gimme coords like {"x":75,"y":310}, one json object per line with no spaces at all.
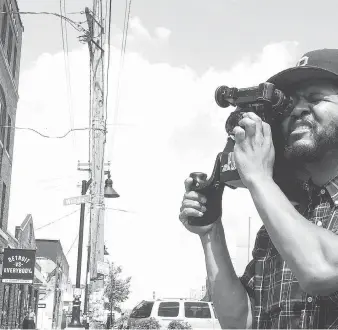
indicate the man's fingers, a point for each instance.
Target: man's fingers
{"x":189,"y":212}
{"x":266,"y":130}
{"x":252,"y":116}
{"x":193,"y":204}
{"x":249,"y":126}
{"x":195,"y":196}
{"x":188,"y":203}
{"x":258,"y":122}
{"x":239,"y":134}
{"x":188,"y":183}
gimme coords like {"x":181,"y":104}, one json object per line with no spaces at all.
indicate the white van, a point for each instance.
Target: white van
{"x":199,"y":314}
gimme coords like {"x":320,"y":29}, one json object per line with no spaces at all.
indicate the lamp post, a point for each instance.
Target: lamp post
{"x":109,"y":192}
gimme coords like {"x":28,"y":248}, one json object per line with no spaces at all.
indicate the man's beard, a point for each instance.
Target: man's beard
{"x":321,"y":142}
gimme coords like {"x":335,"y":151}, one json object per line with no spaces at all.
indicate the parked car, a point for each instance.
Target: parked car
{"x":199,"y":314}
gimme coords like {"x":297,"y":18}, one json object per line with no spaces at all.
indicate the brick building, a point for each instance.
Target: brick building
{"x":16,"y":298}
{"x":11,"y":29}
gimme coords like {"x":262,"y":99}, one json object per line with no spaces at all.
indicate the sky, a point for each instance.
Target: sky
{"x":165,"y":125}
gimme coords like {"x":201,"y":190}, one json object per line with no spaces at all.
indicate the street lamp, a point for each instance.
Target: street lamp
{"x":109,"y":192}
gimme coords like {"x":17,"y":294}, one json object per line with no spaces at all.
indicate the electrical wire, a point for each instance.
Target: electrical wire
{"x":75,"y":25}
{"x":108,"y":61}
{"x":121,"y":210}
{"x":53,"y":137}
{"x":59,"y":219}
{"x":105,"y":17}
{"x":64,"y":35}
{"x":64,"y":135}
{"x":72,"y":244}
{"x":121,"y":65}
{"x":50,"y":274}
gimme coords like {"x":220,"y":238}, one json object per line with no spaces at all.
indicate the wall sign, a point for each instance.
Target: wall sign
{"x":18,"y":266}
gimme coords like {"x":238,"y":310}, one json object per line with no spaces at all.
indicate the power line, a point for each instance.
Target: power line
{"x":72,"y":244}
{"x":108,"y":61}
{"x":41,"y":12}
{"x":121,"y":65}
{"x":121,"y":210}
{"x":53,"y":137}
{"x":52,"y":272}
{"x":54,"y":221}
{"x":75,"y":25}
{"x":64,"y":36}
{"x":64,"y":135}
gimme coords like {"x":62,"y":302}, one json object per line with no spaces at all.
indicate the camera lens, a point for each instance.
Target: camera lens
{"x":219,"y":96}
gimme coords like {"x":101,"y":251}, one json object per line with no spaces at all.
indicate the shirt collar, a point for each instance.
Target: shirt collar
{"x":332,"y":188}
{"x":304,"y":189}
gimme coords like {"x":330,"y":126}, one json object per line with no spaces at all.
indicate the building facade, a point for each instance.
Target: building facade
{"x":55,"y":268}
{"x":11,"y":29}
{"x":15,"y":299}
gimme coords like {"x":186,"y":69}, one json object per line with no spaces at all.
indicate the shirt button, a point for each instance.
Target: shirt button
{"x":319,"y":223}
{"x":309,"y":299}
{"x":322,"y":192}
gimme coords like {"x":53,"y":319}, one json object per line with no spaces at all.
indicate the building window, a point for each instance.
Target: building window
{"x":169,"y":309}
{"x":142,"y":310}
{"x":10,"y":46}
{"x":3,"y":203}
{"x":9,"y":130}
{"x":4,"y":25}
{"x":14,"y":61}
{"x":197,"y":310}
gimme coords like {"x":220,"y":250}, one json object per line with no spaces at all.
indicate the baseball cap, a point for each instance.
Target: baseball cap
{"x":316,"y":64}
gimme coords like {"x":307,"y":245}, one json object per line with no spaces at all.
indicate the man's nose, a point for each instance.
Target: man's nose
{"x":300,"y":107}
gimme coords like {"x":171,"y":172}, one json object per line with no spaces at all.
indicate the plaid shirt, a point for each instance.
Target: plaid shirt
{"x":277,"y":300}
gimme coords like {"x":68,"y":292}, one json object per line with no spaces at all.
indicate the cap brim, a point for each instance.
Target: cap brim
{"x":289,"y":77}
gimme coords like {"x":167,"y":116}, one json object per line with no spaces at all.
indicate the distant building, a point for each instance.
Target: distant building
{"x":55,"y":267}
{"x":198,"y":293}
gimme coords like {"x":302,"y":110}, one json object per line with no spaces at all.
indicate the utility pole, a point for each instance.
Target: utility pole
{"x":98,"y":133}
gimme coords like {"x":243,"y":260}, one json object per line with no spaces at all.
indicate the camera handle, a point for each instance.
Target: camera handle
{"x":212,"y":189}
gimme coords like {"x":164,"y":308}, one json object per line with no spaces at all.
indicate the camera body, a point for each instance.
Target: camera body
{"x":265,"y":100}
{"x":271,"y":105}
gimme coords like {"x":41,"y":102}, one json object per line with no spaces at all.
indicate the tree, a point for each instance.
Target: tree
{"x":150,"y":323}
{"x":179,"y":325}
{"x":116,"y":289}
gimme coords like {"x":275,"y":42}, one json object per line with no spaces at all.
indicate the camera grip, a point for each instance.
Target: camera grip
{"x":213,"y":191}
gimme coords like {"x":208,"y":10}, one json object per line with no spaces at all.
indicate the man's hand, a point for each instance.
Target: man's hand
{"x":193,"y":205}
{"x":254,"y":151}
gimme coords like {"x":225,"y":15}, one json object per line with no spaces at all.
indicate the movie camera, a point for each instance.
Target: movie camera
{"x":269,"y":103}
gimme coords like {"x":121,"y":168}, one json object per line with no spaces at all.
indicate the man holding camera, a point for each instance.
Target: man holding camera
{"x":292,"y":280}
